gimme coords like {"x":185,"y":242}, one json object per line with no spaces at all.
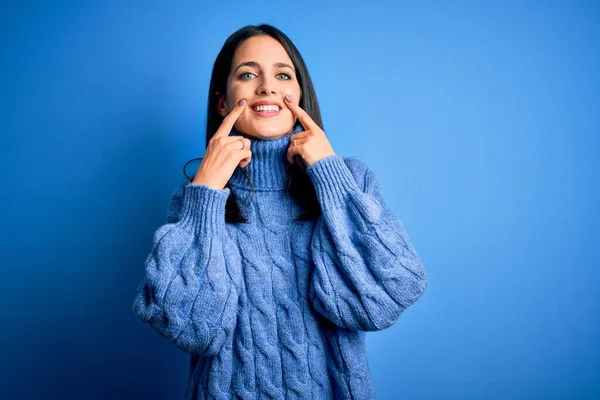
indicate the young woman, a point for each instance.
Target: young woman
{"x":279,"y":254}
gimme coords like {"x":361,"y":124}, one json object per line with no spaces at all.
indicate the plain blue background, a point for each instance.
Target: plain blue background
{"x":481,"y":120}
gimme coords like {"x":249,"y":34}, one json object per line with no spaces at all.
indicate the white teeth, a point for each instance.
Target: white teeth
{"x":270,"y":108}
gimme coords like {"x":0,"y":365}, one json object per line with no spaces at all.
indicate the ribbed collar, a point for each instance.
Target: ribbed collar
{"x":269,"y":166}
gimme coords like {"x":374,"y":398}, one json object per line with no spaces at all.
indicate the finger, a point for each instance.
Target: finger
{"x":244,"y":156}
{"x":241,"y":148}
{"x":245,"y":161}
{"x":302,"y":115}
{"x":292,"y":151}
{"x":298,"y":136}
{"x":295,"y":140}
{"x":236,"y":142}
{"x":229,"y":120}
{"x":232,"y":142}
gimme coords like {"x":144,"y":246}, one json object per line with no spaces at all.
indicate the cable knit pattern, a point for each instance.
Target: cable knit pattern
{"x":367,"y":271}
{"x":278,"y":308}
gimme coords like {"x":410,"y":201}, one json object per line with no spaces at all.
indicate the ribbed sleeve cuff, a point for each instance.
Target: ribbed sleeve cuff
{"x":203,"y":208}
{"x":332,"y":180}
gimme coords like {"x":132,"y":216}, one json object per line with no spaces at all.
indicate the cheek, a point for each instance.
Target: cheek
{"x":237,"y":92}
{"x":233,"y":96}
{"x":294,"y":92}
{"x":296,"y":95}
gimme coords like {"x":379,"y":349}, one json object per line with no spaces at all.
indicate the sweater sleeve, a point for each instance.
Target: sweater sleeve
{"x":366,"y":269}
{"x":188,"y":293}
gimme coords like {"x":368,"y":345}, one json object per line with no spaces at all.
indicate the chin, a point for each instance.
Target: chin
{"x":266,"y":131}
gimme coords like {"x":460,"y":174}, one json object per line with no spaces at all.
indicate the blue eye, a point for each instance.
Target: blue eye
{"x":245,"y":73}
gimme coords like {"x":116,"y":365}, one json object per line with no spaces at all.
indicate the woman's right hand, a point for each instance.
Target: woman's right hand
{"x":224,"y":153}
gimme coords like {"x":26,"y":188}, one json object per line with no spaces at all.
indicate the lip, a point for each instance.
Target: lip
{"x":265,"y":114}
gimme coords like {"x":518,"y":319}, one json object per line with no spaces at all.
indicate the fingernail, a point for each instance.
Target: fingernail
{"x":288,"y":99}
{"x":241,"y":102}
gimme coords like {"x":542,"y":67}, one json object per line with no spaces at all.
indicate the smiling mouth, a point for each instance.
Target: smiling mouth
{"x":266,"y":111}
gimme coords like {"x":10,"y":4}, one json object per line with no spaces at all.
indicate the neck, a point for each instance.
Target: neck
{"x":268,"y":167}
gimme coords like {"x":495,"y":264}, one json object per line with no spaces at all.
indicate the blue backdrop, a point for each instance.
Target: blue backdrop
{"x":481,"y":120}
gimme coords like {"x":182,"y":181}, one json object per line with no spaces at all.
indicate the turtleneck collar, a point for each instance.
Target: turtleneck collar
{"x":269,"y":166}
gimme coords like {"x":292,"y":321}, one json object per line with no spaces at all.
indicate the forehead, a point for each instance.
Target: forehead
{"x":263,"y":49}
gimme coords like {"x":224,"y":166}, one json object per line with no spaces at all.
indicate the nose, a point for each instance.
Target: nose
{"x":267,"y":86}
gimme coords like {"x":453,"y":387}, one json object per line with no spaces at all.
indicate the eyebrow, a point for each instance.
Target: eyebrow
{"x":255,"y":65}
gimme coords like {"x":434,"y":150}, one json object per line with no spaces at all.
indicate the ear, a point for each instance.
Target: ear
{"x":222,"y":105}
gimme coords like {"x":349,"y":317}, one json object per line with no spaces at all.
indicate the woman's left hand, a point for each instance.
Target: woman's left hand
{"x":312,"y":143}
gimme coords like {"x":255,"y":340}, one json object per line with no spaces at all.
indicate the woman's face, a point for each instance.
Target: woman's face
{"x":261,"y":71}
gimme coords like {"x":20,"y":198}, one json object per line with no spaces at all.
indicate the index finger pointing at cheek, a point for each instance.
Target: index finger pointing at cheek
{"x":229,"y":120}
{"x":302,"y":115}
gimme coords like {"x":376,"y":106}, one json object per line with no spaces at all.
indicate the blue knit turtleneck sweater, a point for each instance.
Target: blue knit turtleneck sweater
{"x":278,"y":308}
